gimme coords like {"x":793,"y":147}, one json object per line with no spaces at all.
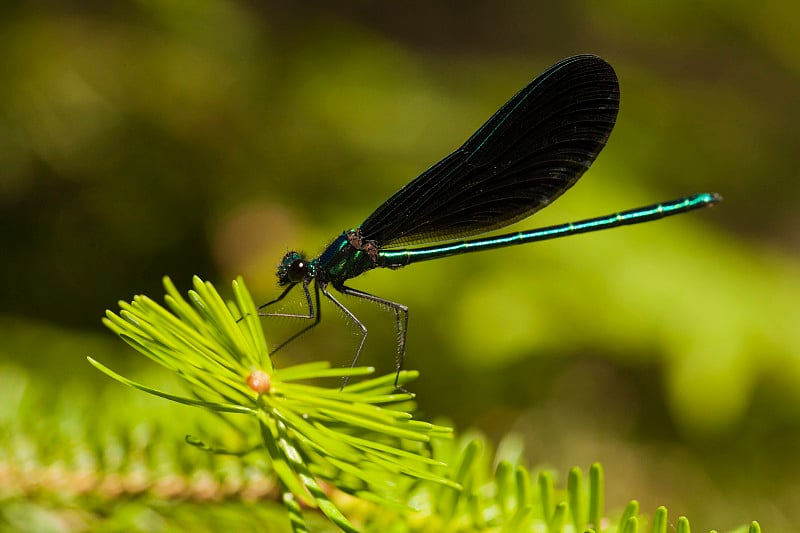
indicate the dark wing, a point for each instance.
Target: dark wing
{"x":528,"y":153}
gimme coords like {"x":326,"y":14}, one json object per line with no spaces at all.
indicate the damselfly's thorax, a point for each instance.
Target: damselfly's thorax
{"x":349,"y":255}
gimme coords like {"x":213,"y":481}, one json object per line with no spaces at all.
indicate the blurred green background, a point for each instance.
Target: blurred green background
{"x":150,"y":138}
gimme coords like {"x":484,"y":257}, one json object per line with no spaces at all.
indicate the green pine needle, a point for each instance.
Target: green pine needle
{"x":575,"y":491}
{"x":596,"y":502}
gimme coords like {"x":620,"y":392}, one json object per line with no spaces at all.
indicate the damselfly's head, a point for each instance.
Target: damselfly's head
{"x":292,"y":269}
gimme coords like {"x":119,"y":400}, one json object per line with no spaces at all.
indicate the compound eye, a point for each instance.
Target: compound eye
{"x":297,"y":271}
